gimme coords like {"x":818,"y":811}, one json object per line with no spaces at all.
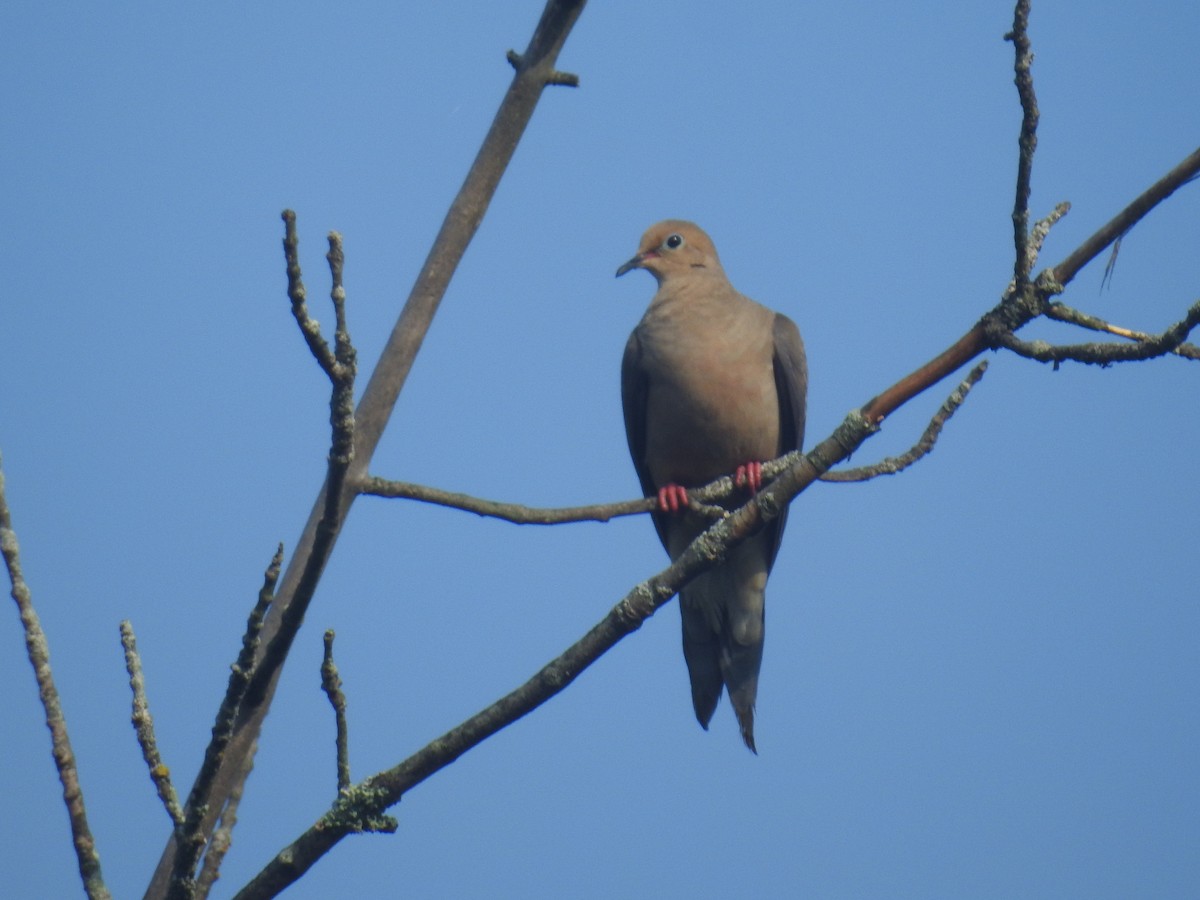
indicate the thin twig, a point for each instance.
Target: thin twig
{"x":924,"y":446}
{"x":219,"y":844}
{"x":189,"y":834}
{"x":1063,"y":313}
{"x":38,"y":650}
{"x":1187,"y":170}
{"x":331,"y":684}
{"x":309,"y":327}
{"x":516,"y":513}
{"x":1105,"y":354}
{"x":1027,"y":142}
{"x":143,"y":726}
{"x":342,"y":449}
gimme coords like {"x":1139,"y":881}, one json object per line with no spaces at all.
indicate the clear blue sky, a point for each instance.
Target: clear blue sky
{"x":981,"y":676}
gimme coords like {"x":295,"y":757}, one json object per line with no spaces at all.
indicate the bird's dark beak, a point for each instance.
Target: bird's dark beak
{"x":636,"y":263}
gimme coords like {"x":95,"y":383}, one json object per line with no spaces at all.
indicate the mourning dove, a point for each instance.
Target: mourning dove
{"x":712,"y":384}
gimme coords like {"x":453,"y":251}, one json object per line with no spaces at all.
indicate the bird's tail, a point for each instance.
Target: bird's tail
{"x":722,"y":614}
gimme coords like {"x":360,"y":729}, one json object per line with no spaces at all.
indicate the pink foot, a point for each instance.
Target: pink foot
{"x":749,"y":476}
{"x":672,"y":497}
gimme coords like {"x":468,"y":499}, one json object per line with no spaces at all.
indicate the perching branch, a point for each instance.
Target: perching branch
{"x":717,"y":490}
{"x":38,"y":651}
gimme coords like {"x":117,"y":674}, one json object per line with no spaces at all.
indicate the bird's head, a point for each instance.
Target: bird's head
{"x":673,"y":248}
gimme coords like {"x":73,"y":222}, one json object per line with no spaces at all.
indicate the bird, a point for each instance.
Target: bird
{"x":712,"y":384}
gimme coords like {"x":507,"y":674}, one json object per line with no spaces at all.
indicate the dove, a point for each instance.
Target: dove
{"x":712,"y":384}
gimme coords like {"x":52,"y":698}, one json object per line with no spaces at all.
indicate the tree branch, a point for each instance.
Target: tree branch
{"x":535,"y":71}
{"x":1063,"y":313}
{"x":509,"y":512}
{"x":1066,"y":270}
{"x":38,"y":650}
{"x":143,"y":725}
{"x":1027,"y":142}
{"x":331,"y":684}
{"x":1105,"y":354}
{"x":895,"y":464}
{"x":188,"y":833}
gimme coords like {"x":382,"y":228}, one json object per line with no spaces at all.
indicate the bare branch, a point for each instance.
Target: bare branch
{"x":1066,"y":270}
{"x":143,"y":725}
{"x":38,"y":650}
{"x":1027,"y":141}
{"x":1105,"y":354}
{"x":331,"y":684}
{"x":509,"y":512}
{"x":555,"y":77}
{"x":1063,"y":313}
{"x":536,"y":70}
{"x":924,"y":446}
{"x":309,"y":327}
{"x":188,"y":834}
{"x":219,"y":844}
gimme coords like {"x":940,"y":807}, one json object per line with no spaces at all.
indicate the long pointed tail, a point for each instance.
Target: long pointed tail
{"x":722,"y":613}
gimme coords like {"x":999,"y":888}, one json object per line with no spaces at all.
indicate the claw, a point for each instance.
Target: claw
{"x":671,"y":497}
{"x":749,"y":476}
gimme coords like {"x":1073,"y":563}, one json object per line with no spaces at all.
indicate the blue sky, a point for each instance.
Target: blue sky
{"x":980,"y":676}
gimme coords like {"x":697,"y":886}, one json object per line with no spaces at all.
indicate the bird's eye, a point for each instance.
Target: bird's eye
{"x":673,"y":241}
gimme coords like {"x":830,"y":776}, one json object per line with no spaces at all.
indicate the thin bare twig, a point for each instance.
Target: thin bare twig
{"x":1105,"y":354}
{"x":1027,"y":142}
{"x":219,"y":844}
{"x":924,"y":446}
{"x":1063,"y":313}
{"x":37,"y":648}
{"x":331,"y":684}
{"x":188,"y":834}
{"x":341,"y":457}
{"x":143,"y":726}
{"x":516,"y":513}
{"x":1187,"y":170}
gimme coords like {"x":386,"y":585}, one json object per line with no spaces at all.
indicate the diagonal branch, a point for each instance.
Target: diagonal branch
{"x":143,"y":724}
{"x":38,"y":651}
{"x":1066,"y":270}
{"x":534,"y":72}
{"x":894,"y":464}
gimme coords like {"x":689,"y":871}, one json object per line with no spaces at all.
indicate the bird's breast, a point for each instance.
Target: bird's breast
{"x":711,"y":403}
